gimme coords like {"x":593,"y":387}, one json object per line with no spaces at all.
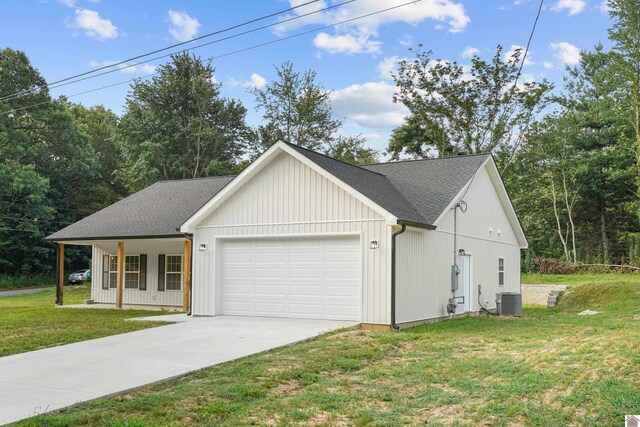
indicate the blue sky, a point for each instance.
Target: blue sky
{"x":66,"y":37}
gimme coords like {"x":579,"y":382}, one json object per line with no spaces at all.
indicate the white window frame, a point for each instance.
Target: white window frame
{"x":167,"y":273}
{"x":124,"y":278}
{"x":500,"y":271}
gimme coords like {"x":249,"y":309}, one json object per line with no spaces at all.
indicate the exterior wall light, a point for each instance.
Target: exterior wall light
{"x":202,"y":247}
{"x":373,"y":244}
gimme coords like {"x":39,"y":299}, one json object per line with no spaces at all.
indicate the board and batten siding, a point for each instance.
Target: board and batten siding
{"x":288,"y":198}
{"x":424,"y":257}
{"x":152,"y":248}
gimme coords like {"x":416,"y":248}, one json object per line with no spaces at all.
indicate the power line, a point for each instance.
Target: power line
{"x":224,"y":30}
{"x":230,"y":53}
{"x":55,"y":86}
{"x":528,"y":120}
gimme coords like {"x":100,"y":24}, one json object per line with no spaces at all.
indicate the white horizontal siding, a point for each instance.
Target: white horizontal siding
{"x":289,"y":198}
{"x":152,"y":248}
{"x":425,"y":256}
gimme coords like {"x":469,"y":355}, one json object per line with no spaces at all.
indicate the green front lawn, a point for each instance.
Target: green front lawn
{"x":549,"y":368}
{"x":32,"y":322}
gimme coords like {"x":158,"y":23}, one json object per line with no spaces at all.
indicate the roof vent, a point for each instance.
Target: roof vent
{"x":509,"y":303}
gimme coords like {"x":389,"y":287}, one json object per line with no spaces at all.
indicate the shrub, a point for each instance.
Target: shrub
{"x":27,"y":281}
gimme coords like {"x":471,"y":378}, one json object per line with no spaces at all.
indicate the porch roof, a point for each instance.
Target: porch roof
{"x":154,"y":212}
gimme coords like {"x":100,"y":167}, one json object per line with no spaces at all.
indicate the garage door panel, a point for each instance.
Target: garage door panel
{"x":306,"y":278}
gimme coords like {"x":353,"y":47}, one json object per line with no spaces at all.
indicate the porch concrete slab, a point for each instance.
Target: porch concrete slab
{"x":46,"y":380}
{"x":170,"y":318}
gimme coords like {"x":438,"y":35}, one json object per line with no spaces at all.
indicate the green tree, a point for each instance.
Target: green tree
{"x":177,"y":125}
{"x":455,"y":110}
{"x":351,"y":149}
{"x":625,"y":33}
{"x":47,"y":169}
{"x":296,"y":109}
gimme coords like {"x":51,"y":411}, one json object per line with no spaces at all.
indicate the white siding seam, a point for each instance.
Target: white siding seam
{"x":477,"y":237}
{"x":290,"y":223}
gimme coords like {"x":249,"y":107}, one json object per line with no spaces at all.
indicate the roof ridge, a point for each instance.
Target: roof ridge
{"x":426,"y":159}
{"x":194,"y":179}
{"x":332,"y":158}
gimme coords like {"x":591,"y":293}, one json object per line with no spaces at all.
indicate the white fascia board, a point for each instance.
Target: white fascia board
{"x":190,"y":224}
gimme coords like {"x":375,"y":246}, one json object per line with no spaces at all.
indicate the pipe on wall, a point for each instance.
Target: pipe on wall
{"x":403,"y":228}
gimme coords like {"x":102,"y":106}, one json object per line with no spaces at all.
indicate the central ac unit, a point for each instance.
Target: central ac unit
{"x":509,"y":304}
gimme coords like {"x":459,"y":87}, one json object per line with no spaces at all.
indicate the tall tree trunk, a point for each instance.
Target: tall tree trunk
{"x":570,"y":215}
{"x":558,"y":223}
{"x":603,"y":234}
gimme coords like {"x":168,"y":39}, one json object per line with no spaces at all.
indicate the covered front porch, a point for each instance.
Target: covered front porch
{"x":135,"y":272}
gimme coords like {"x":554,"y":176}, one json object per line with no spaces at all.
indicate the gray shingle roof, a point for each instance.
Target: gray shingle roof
{"x":155,"y":211}
{"x":430,"y":184}
{"x":416,"y":191}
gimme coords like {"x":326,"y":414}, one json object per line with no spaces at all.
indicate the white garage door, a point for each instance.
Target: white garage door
{"x":315,"y":278}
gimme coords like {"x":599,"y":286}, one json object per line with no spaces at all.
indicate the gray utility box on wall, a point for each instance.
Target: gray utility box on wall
{"x":509,"y":304}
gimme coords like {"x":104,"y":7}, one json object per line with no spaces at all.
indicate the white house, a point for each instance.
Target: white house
{"x":301,"y":235}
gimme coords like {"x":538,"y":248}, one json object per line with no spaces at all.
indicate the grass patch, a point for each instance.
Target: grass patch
{"x":32,"y":322}
{"x":550,"y":367}
{"x":8,"y":283}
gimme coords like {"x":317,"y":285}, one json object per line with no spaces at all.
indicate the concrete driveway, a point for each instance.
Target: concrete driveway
{"x":46,"y":380}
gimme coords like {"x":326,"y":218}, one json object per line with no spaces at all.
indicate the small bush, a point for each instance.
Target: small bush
{"x":27,"y":281}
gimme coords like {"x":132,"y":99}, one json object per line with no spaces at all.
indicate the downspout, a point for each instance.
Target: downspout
{"x":403,"y":228}
{"x":190,"y":237}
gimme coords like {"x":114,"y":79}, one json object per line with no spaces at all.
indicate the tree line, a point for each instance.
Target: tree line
{"x":570,"y":157}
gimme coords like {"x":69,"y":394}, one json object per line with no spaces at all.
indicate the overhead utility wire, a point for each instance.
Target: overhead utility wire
{"x":230,"y":53}
{"x":55,"y":86}
{"x":224,"y":30}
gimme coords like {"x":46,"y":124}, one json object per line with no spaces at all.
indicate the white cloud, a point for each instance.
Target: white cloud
{"x":68,"y":3}
{"x":547,"y":65}
{"x":348,"y":44}
{"x":369,"y":105}
{"x":470,"y":52}
{"x":256,"y":81}
{"x":183,"y":27}
{"x":388,"y":66}
{"x":125,"y":68}
{"x":566,"y":52}
{"x":94,"y":25}
{"x":573,"y":6}
{"x":604,"y":6}
{"x":358,"y":35}
{"x":514,"y":47}
{"x":406,"y":40}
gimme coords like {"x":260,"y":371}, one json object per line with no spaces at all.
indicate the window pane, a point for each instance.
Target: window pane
{"x":174,"y":263}
{"x":131,"y":280}
{"x":113,"y":263}
{"x":173,"y":281}
{"x":131,"y":263}
{"x":500,"y":264}
{"x":113,"y":277}
{"x":501,"y":278}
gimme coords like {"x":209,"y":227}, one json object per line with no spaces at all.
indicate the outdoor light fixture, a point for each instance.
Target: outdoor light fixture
{"x":202,"y":247}
{"x":461,"y":252}
{"x":373,"y":244}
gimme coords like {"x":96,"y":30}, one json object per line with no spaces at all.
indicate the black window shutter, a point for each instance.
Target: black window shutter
{"x":143,"y":272}
{"x":161,"y":273}
{"x":105,"y":272}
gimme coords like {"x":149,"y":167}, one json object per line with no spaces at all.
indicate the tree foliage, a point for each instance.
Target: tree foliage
{"x":177,"y":125}
{"x":458,"y":110}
